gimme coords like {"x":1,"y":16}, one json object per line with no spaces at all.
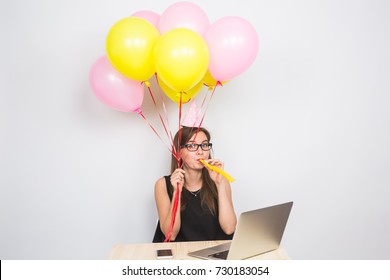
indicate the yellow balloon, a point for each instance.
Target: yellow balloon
{"x":194,"y":90}
{"x":129,"y":47}
{"x":181,"y":58}
{"x":209,"y":81}
{"x":174,"y":95}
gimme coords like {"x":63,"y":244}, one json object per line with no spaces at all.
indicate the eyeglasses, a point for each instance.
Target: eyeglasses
{"x":193,"y":147}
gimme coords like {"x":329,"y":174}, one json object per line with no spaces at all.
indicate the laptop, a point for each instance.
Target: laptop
{"x":257,"y":232}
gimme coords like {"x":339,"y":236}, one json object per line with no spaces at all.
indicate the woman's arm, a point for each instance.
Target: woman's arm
{"x":227,"y":217}
{"x":165,"y":205}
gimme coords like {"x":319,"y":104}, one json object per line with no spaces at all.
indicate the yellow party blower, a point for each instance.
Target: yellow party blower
{"x":218,"y":170}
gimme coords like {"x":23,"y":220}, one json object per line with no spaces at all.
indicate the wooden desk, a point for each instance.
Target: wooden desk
{"x":147,"y":251}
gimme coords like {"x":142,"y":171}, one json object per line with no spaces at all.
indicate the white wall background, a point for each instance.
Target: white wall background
{"x":308,"y":121}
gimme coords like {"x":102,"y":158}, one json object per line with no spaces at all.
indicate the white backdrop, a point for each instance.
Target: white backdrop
{"x":308,"y":121}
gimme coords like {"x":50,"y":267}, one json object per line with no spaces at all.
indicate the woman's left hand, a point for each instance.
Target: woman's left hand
{"x":215,"y":176}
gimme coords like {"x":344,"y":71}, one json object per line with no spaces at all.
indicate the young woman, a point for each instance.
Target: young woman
{"x":205,"y":209}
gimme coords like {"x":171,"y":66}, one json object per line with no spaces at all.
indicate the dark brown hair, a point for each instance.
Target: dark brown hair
{"x":208,"y":193}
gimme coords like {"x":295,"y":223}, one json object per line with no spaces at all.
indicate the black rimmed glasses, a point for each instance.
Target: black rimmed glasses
{"x":193,"y":147}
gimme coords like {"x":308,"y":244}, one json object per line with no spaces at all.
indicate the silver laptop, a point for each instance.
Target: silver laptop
{"x":257,"y":232}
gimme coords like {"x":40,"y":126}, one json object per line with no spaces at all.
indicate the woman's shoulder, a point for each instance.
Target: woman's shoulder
{"x":160,"y":182}
{"x":163,"y":180}
{"x":163,"y":185}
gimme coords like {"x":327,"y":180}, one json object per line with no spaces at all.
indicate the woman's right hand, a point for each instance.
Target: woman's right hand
{"x":177,"y":179}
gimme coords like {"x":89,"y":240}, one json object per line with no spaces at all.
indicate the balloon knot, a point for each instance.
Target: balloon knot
{"x":147,"y":83}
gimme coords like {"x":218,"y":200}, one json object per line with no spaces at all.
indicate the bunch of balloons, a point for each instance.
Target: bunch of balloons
{"x":180,"y":47}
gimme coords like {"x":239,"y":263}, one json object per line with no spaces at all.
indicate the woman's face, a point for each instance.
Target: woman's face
{"x":194,"y":152}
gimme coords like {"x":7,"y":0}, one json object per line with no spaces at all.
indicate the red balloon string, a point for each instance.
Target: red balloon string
{"x":170,"y":136}
{"x":180,"y":132}
{"x":151,"y":126}
{"x":203,"y":104}
{"x":177,"y":156}
{"x":174,"y":211}
{"x":155,"y":105}
{"x":176,"y":152}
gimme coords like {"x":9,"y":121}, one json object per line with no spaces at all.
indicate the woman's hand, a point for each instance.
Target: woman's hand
{"x":177,"y":179}
{"x":215,"y":176}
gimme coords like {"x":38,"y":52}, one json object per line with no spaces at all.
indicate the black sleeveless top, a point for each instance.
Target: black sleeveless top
{"x":197,"y":222}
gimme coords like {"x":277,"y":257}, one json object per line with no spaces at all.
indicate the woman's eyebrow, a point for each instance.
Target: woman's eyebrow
{"x":193,"y":141}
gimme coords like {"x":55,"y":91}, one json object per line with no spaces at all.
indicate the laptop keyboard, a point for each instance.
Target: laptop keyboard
{"x":220,"y":255}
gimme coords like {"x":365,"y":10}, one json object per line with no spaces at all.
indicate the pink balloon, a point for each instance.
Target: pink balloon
{"x":233,"y":46}
{"x":114,"y":89}
{"x":184,"y":15}
{"x":150,"y":16}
